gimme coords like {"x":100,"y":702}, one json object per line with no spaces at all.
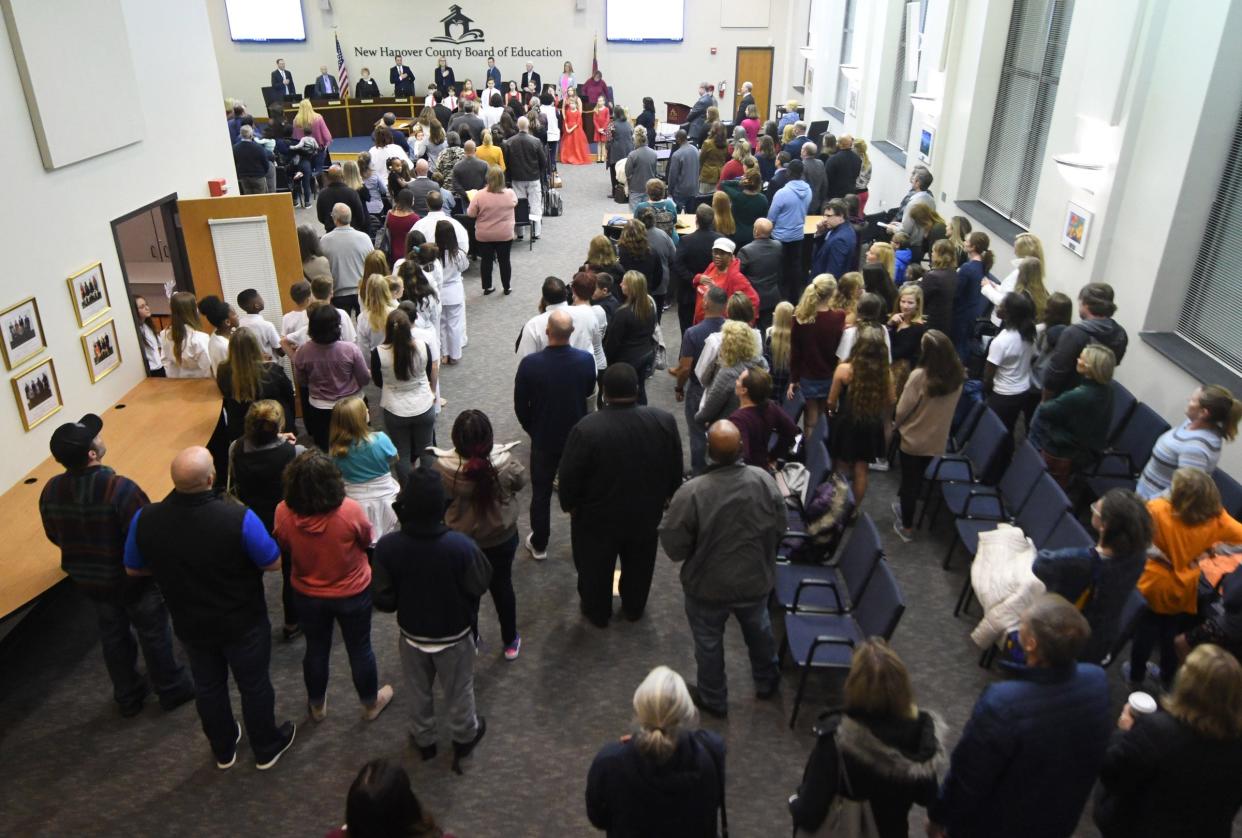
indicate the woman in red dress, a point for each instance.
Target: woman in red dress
{"x":603,"y":128}
{"x":574,"y":149}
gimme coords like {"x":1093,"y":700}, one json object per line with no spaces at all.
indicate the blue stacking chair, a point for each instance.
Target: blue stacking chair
{"x":818,"y":588}
{"x":1066,"y":534}
{"x":826,"y":641}
{"x":1124,"y":403}
{"x":971,"y":465}
{"x":1119,"y":466}
{"x":1230,"y":492}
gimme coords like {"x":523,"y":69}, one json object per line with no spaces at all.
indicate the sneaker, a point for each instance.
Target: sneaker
{"x":878,"y":465}
{"x":906,"y":535}
{"x":1152,"y":672}
{"x":223,"y":764}
{"x":512,"y":650}
{"x":287,"y":731}
{"x":318,"y":714}
{"x":537,"y":555}
{"x":382,"y":698}
{"x":697,"y":698}
{"x":461,"y":750}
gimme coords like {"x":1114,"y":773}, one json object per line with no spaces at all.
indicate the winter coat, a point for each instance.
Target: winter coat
{"x":1072,"y":571}
{"x":891,"y":763}
{"x":498,"y":522}
{"x":1003,"y":582}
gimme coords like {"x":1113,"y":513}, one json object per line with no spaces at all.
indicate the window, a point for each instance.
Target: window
{"x":1211,"y":317}
{"x":901,"y":111}
{"x":847,"y":54}
{"x":1030,"y":75}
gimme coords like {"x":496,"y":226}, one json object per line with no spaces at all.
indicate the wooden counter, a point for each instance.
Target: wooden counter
{"x":142,"y":432}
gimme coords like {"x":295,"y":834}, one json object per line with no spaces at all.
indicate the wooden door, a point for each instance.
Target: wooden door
{"x":754,"y":65}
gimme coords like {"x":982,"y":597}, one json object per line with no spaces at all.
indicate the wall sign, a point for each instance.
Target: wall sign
{"x":462,"y":38}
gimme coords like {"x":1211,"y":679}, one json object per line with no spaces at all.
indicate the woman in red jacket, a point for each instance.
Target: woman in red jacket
{"x":725,"y":271}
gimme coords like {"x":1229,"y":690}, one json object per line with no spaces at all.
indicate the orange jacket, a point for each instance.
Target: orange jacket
{"x":1171,"y":588}
{"x":732,"y":281}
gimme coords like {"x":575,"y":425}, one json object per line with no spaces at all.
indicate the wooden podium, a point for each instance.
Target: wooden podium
{"x":676,"y":113}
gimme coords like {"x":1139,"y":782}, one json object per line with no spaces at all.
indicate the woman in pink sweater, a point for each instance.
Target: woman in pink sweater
{"x":492,"y":211}
{"x":309,"y":123}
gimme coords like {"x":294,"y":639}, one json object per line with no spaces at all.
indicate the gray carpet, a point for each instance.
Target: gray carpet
{"x":71,"y":766}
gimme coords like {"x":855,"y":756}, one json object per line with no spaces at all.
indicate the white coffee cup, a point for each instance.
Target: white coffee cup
{"x":1141,"y":703}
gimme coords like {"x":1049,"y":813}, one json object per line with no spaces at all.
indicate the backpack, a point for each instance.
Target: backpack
{"x":826,"y":514}
{"x":553,"y":205}
{"x":664,"y":219}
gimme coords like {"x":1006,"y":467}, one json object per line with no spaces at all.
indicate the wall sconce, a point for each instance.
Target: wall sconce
{"x":1079,"y":170}
{"x":923,"y":103}
{"x":851,"y":72}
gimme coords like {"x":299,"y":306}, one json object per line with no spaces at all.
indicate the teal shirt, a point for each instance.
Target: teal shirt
{"x":367,"y":460}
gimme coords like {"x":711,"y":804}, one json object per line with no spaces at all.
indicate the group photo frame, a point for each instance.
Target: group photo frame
{"x":21,"y":333}
{"x":89,"y":293}
{"x":101,"y":349}
{"x":37,"y":391}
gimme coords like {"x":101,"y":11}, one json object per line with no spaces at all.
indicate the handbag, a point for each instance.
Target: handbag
{"x":661,"y":352}
{"x":847,"y":818}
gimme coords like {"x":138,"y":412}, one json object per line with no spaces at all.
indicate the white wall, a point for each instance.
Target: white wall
{"x":60,"y":220}
{"x":662,"y":71}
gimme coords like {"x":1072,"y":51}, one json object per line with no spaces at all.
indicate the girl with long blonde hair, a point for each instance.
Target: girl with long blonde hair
{"x":375,"y":298}
{"x":882,"y":254}
{"x":1031,"y":282}
{"x":814,"y":336}
{"x":776,"y":348}
{"x":737,"y":353}
{"x":365,"y":458}
{"x":859,"y":404}
{"x":905,"y":330}
{"x":862,"y":186}
{"x":722,"y":208}
{"x":184,"y":343}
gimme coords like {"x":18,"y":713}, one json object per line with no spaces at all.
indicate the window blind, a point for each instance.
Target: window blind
{"x":1030,"y":74}
{"x":1211,"y":316}
{"x":847,"y":54}
{"x":901,"y":111}
{"x":244,"y":259}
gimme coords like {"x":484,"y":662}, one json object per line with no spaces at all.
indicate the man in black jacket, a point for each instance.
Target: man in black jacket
{"x":526,"y":163}
{"x":251,"y":160}
{"x":696,"y":120}
{"x":468,"y":122}
{"x":336,"y":192}
{"x":843,"y":168}
{"x":619,"y":468}
{"x":745,"y":102}
{"x":694,"y":254}
{"x":282,"y":80}
{"x":530,"y":80}
{"x":1096,"y":309}
{"x":761,"y":263}
{"x":402,"y":78}
{"x":433,"y":578}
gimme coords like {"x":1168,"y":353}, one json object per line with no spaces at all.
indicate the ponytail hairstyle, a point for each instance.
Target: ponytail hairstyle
{"x":822,"y":289}
{"x":1223,"y":409}
{"x":472,"y":440}
{"x":662,"y":708}
{"x":979,"y":242}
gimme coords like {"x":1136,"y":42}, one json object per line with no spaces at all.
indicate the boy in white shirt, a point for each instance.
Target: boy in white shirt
{"x":251,"y":304}
{"x":321,"y":289}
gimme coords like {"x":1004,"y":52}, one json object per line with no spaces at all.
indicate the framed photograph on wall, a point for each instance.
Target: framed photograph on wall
{"x":22,"y":331}
{"x":1077,"y":228}
{"x":102,"y":350}
{"x":38,"y":393}
{"x":927,"y":142}
{"x":89,"y":293}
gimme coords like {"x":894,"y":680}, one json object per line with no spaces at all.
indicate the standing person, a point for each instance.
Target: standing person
{"x":776,"y":349}
{"x":452,"y":261}
{"x":601,"y":121}
{"x":282,"y":80}
{"x":968,"y":300}
{"x":152,"y":354}
{"x":862,"y":184}
{"x":444,"y":77}
{"x":246,"y":378}
{"x":940,"y":288}
{"x":725,"y":525}
{"x":251,"y":161}
{"x":1007,"y":371}
{"x":1095,"y":325}
{"x":382,"y":802}
{"x":760,"y":262}
{"x":725,"y":271}
{"x":737,"y":351}
{"x":527,"y":166}
{"x":328,"y":369}
{"x":844,"y":169}
{"x":548,"y":112}
{"x":401,"y":78}
{"x":748,"y":204}
{"x":1173,"y":772}
{"x":530,"y":79}
{"x":759,"y":419}
{"x":597,"y":479}
{"x":365,"y":458}
{"x":314,"y":263}
{"x":664,"y":249}
{"x":630,"y":337}
{"x":223,"y":320}
{"x":880,"y":749}
{"x":788,"y":213}
{"x":694,"y":255}
{"x":184,"y":344}
{"x":813,"y":340}
{"x":683,"y":172}
{"x":336,"y":191}
{"x":1100,"y":578}
{"x":307,"y":123}
{"x":325,"y":536}
{"x":634,"y":253}
{"x":905,"y":333}
{"x":493,"y":72}
{"x":689,"y":389}
{"x":493,"y":211}
{"x":667,"y":778}
{"x":482,"y":480}
{"x":208,"y":555}
{"x":859,"y":403}
{"x":647,"y":119}
{"x":640,"y":167}
{"x":347,"y":250}
{"x":432,"y":578}
{"x":567,"y":82}
{"x":713,"y":154}
{"x":814,"y":175}
{"x":1212,"y":417}
{"x":696,"y":120}
{"x":407,"y":373}
{"x":837,"y":253}
{"x":87,"y":512}
{"x":1029,"y":755}
{"x":1185,"y":524}
{"x":574,"y":148}
{"x":745,"y":103}
{"x":1071,"y":430}
{"x":923,"y":418}
{"x":377,"y":303}
{"x":555,"y":297}
{"x":549,"y":395}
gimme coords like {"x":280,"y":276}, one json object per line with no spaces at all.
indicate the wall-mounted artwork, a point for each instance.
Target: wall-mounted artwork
{"x":38,"y":393}
{"x":927,"y":142}
{"x":89,"y":293}
{"x":102,"y":350}
{"x":22,"y":332}
{"x":1077,"y":228}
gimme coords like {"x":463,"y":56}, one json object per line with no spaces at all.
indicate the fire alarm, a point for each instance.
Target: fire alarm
{"x":713,"y":50}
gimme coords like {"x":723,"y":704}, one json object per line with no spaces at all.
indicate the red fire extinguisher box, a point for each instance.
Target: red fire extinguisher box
{"x":218,"y":186}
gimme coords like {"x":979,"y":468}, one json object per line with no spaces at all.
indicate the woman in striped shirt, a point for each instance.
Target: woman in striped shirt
{"x":1212,"y":417}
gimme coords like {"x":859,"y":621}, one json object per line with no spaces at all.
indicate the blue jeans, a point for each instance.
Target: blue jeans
{"x":248,"y":657}
{"x":707,"y":624}
{"x":316,"y":616}
{"x":139,"y":611}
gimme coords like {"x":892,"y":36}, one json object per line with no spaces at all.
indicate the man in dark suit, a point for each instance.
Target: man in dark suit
{"x":747,"y":100}
{"x":398,"y":136}
{"x":325,"y":84}
{"x":402,"y":78}
{"x":335,"y":191}
{"x":493,"y":72}
{"x":696,"y":120}
{"x":843,"y":168}
{"x":282,"y":80}
{"x":598,"y":479}
{"x":694,"y":254}
{"x":530,"y":77}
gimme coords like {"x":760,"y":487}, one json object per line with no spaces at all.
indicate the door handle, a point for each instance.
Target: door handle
{"x":165,"y":248}
{"x":154,"y":254}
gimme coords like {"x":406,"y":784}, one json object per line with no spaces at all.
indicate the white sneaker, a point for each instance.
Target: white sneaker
{"x":537,"y":555}
{"x":382,"y":697}
{"x":878,"y":465}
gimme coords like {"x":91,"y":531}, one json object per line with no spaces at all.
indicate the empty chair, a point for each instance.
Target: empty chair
{"x":1123,"y":406}
{"x":972,"y":464}
{"x":1067,"y":533}
{"x":957,"y":439}
{"x":1230,"y":492}
{"x":1119,"y":467}
{"x":1037,"y":517}
{"x":811,"y":588}
{"x":826,"y":641}
{"x":1006,"y":497}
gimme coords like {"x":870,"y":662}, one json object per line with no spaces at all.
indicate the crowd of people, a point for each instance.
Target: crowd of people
{"x":885,"y":328}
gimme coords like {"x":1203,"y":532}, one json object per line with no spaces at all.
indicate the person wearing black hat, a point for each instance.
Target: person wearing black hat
{"x":614,"y":506}
{"x":87,"y":513}
{"x":433,"y":578}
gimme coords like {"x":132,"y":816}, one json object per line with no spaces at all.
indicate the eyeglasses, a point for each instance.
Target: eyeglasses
{"x":1095,"y":508}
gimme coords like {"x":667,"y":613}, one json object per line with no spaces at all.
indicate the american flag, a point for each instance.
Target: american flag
{"x":342,"y":74}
